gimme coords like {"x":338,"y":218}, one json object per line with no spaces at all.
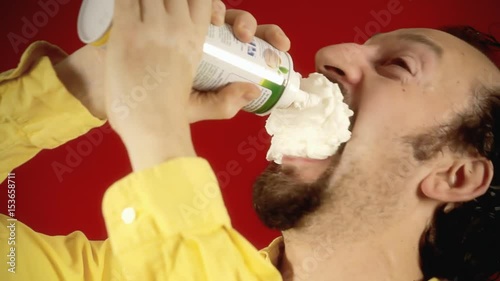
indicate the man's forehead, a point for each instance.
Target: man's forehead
{"x":423,"y":34}
{"x":437,"y":37}
{"x":420,"y":31}
{"x":441,"y":43}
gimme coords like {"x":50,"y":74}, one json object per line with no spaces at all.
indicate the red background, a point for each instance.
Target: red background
{"x":54,"y":207}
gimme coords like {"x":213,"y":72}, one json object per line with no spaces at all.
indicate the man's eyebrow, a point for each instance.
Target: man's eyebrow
{"x":421,"y":39}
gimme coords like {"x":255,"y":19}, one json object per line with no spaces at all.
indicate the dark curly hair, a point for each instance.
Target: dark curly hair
{"x":463,"y":244}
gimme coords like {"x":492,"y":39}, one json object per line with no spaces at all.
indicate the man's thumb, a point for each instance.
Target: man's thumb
{"x":246,"y":92}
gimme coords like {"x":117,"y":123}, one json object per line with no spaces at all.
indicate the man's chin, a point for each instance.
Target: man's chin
{"x":307,"y":170}
{"x":284,"y":194}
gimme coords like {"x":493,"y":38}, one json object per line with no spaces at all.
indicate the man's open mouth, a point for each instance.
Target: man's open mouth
{"x":347,"y":98}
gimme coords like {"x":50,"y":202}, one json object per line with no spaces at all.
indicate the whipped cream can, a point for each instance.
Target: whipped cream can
{"x":225,"y":60}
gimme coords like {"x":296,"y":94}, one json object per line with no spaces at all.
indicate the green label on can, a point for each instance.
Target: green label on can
{"x":276,"y":92}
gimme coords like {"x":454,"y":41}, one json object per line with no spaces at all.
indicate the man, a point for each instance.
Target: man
{"x":422,"y":143}
{"x":422,"y":138}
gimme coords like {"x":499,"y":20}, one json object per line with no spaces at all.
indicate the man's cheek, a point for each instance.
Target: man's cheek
{"x":368,"y":120}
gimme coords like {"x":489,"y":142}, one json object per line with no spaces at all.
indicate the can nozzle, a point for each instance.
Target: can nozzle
{"x":304,"y":99}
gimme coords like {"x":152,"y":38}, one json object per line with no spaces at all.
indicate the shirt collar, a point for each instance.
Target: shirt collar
{"x":274,"y":251}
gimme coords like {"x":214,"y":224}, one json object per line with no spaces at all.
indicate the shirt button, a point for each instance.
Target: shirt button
{"x":128,"y":215}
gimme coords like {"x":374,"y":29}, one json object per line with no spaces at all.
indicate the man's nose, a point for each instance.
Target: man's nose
{"x":343,"y":63}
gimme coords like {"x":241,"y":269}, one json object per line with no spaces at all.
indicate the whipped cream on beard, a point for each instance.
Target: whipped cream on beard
{"x":310,"y":130}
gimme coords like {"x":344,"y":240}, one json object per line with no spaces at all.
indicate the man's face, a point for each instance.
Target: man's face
{"x":400,"y":85}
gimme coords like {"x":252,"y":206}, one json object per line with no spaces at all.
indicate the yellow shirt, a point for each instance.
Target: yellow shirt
{"x":165,"y":223}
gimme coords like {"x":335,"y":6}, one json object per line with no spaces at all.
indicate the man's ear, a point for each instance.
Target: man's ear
{"x":463,"y":180}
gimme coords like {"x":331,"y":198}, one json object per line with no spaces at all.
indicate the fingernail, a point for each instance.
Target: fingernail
{"x":245,"y":29}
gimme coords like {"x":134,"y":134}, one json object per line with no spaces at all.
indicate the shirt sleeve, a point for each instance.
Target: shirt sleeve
{"x":170,"y":223}
{"x":36,"y":110}
{"x":28,"y":255}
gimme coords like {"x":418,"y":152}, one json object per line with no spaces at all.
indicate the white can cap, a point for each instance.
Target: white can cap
{"x":294,"y":96}
{"x":94,"y":19}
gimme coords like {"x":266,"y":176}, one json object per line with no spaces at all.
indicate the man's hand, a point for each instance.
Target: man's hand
{"x":83,"y":73}
{"x":152,"y":54}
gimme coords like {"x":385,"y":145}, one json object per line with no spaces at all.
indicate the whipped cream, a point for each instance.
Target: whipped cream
{"x":310,"y":129}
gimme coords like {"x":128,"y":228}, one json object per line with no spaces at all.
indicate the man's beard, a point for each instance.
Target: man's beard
{"x":281,"y":200}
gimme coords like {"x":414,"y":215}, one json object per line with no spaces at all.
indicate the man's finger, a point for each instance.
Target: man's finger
{"x":218,"y":12}
{"x":176,"y":7}
{"x":244,"y":24}
{"x":153,"y":11}
{"x":274,"y":35}
{"x":269,"y":32}
{"x":200,"y":10}
{"x":127,"y":13}
{"x":222,"y":104}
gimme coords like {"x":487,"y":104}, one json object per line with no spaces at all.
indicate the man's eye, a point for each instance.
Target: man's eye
{"x":399,"y":62}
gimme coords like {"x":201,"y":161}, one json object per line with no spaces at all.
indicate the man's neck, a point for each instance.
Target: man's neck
{"x":389,"y":254}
